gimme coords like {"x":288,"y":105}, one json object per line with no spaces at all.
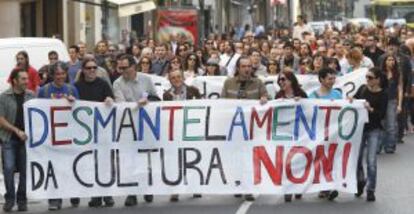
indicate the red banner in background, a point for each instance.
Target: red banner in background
{"x":183,"y":23}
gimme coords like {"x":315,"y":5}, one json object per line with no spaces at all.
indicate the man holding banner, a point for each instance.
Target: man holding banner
{"x":327,"y":78}
{"x":59,"y":89}
{"x":93,"y":88}
{"x":133,"y":86}
{"x":180,"y":91}
{"x":244,"y":85}
{"x":13,"y":137}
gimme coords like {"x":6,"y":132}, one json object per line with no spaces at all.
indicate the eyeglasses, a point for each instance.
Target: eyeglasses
{"x":175,"y":62}
{"x":370,"y":77}
{"x":145,"y":62}
{"x":91,"y":67}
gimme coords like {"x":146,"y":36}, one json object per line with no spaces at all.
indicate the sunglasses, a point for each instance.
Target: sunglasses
{"x":370,"y":77}
{"x":282,"y":79}
{"x":91,"y":67}
{"x":191,"y":58}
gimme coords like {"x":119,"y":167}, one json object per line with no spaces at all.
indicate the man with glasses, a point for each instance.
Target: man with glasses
{"x":137,"y":87}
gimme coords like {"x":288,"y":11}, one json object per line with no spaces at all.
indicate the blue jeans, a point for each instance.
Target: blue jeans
{"x":391,"y":126}
{"x":14,"y":159}
{"x":370,"y":141}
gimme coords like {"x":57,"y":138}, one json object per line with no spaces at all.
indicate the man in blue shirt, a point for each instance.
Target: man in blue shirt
{"x":327,"y":77}
{"x":59,"y":89}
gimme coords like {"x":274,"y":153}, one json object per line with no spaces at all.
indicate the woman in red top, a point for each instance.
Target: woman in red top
{"x":22,"y":59}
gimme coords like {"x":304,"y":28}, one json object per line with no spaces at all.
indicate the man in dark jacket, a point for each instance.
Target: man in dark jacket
{"x":179,"y":90}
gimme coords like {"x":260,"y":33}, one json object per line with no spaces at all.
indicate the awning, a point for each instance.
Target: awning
{"x":391,"y":2}
{"x":131,"y":7}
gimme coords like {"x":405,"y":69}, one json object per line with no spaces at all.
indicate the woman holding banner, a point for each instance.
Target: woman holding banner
{"x":289,"y":89}
{"x":289,"y":86}
{"x":376,"y":96}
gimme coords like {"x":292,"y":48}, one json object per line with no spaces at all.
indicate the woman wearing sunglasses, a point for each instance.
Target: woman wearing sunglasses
{"x":145,"y":65}
{"x":374,"y":92}
{"x":192,"y":67}
{"x":289,"y":89}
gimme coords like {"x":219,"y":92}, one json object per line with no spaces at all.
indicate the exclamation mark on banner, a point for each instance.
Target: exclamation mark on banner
{"x":345,"y":158}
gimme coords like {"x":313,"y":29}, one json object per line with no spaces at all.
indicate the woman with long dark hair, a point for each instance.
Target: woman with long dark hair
{"x":273,"y":67}
{"x":145,"y":65}
{"x":289,"y":89}
{"x":192,"y":67}
{"x":395,"y":98}
{"x":289,"y":86}
{"x":318,"y":63}
{"x":374,"y":92}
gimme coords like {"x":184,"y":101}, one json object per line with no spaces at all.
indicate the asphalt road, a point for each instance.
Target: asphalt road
{"x":395,"y":195}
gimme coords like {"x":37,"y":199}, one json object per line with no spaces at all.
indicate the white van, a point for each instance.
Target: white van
{"x":37,"y":48}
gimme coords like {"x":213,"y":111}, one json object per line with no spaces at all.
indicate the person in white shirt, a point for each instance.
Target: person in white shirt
{"x":229,"y":58}
{"x":300,"y":27}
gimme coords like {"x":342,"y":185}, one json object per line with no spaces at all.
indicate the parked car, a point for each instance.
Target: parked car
{"x":37,"y":49}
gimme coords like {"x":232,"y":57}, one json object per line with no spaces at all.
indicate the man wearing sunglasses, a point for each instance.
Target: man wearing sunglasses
{"x":133,"y":86}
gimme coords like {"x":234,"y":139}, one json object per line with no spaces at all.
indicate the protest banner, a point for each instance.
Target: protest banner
{"x":210,"y":86}
{"x":88,"y":149}
{"x":183,"y":23}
